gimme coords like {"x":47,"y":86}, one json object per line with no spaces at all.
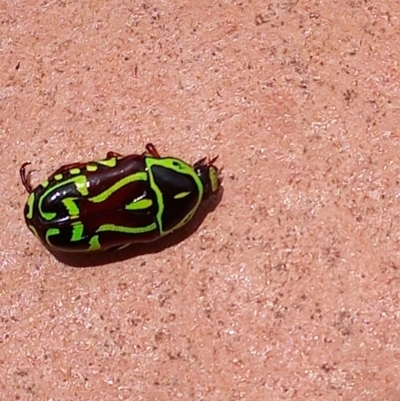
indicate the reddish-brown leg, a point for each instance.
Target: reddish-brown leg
{"x":113,"y":154}
{"x":151,"y":149}
{"x":25,"y":177}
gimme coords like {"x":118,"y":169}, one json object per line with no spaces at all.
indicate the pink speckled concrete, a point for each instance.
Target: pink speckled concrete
{"x":289,"y":289}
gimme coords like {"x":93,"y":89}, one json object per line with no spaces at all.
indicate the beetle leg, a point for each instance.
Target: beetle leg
{"x":25,"y":177}
{"x":151,"y":149}
{"x":113,"y":154}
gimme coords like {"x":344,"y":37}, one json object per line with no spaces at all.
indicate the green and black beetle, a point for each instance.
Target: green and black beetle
{"x":117,"y":201}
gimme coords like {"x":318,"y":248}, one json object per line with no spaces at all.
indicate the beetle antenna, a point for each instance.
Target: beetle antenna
{"x":200,"y":162}
{"x":213,"y":160}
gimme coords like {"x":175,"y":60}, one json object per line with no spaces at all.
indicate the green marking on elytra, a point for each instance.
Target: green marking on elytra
{"x":180,"y":167}
{"x":45,"y":184}
{"x":75,"y":171}
{"x":30,"y":202}
{"x":33,"y":229}
{"x":127,"y":230}
{"x":112,"y":162}
{"x":58,"y":177}
{"x":71,"y":206}
{"x":94,"y":243}
{"x":51,"y":232}
{"x":181,"y":195}
{"x":91,"y":167}
{"x":81,"y":186}
{"x":142,"y":176}
{"x":77,"y":232}
{"x":139,"y":204}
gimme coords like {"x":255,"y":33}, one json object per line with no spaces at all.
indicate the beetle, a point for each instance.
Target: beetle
{"x":117,"y":201}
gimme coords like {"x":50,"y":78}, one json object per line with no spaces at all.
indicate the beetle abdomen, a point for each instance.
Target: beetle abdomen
{"x":76,"y":211}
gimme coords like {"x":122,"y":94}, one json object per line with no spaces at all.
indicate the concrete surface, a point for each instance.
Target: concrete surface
{"x":289,"y":289}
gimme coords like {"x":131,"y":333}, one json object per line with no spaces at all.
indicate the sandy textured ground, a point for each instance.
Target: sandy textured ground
{"x":289,"y":289}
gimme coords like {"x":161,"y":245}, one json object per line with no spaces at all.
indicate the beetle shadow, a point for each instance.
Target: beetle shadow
{"x":101,"y":258}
